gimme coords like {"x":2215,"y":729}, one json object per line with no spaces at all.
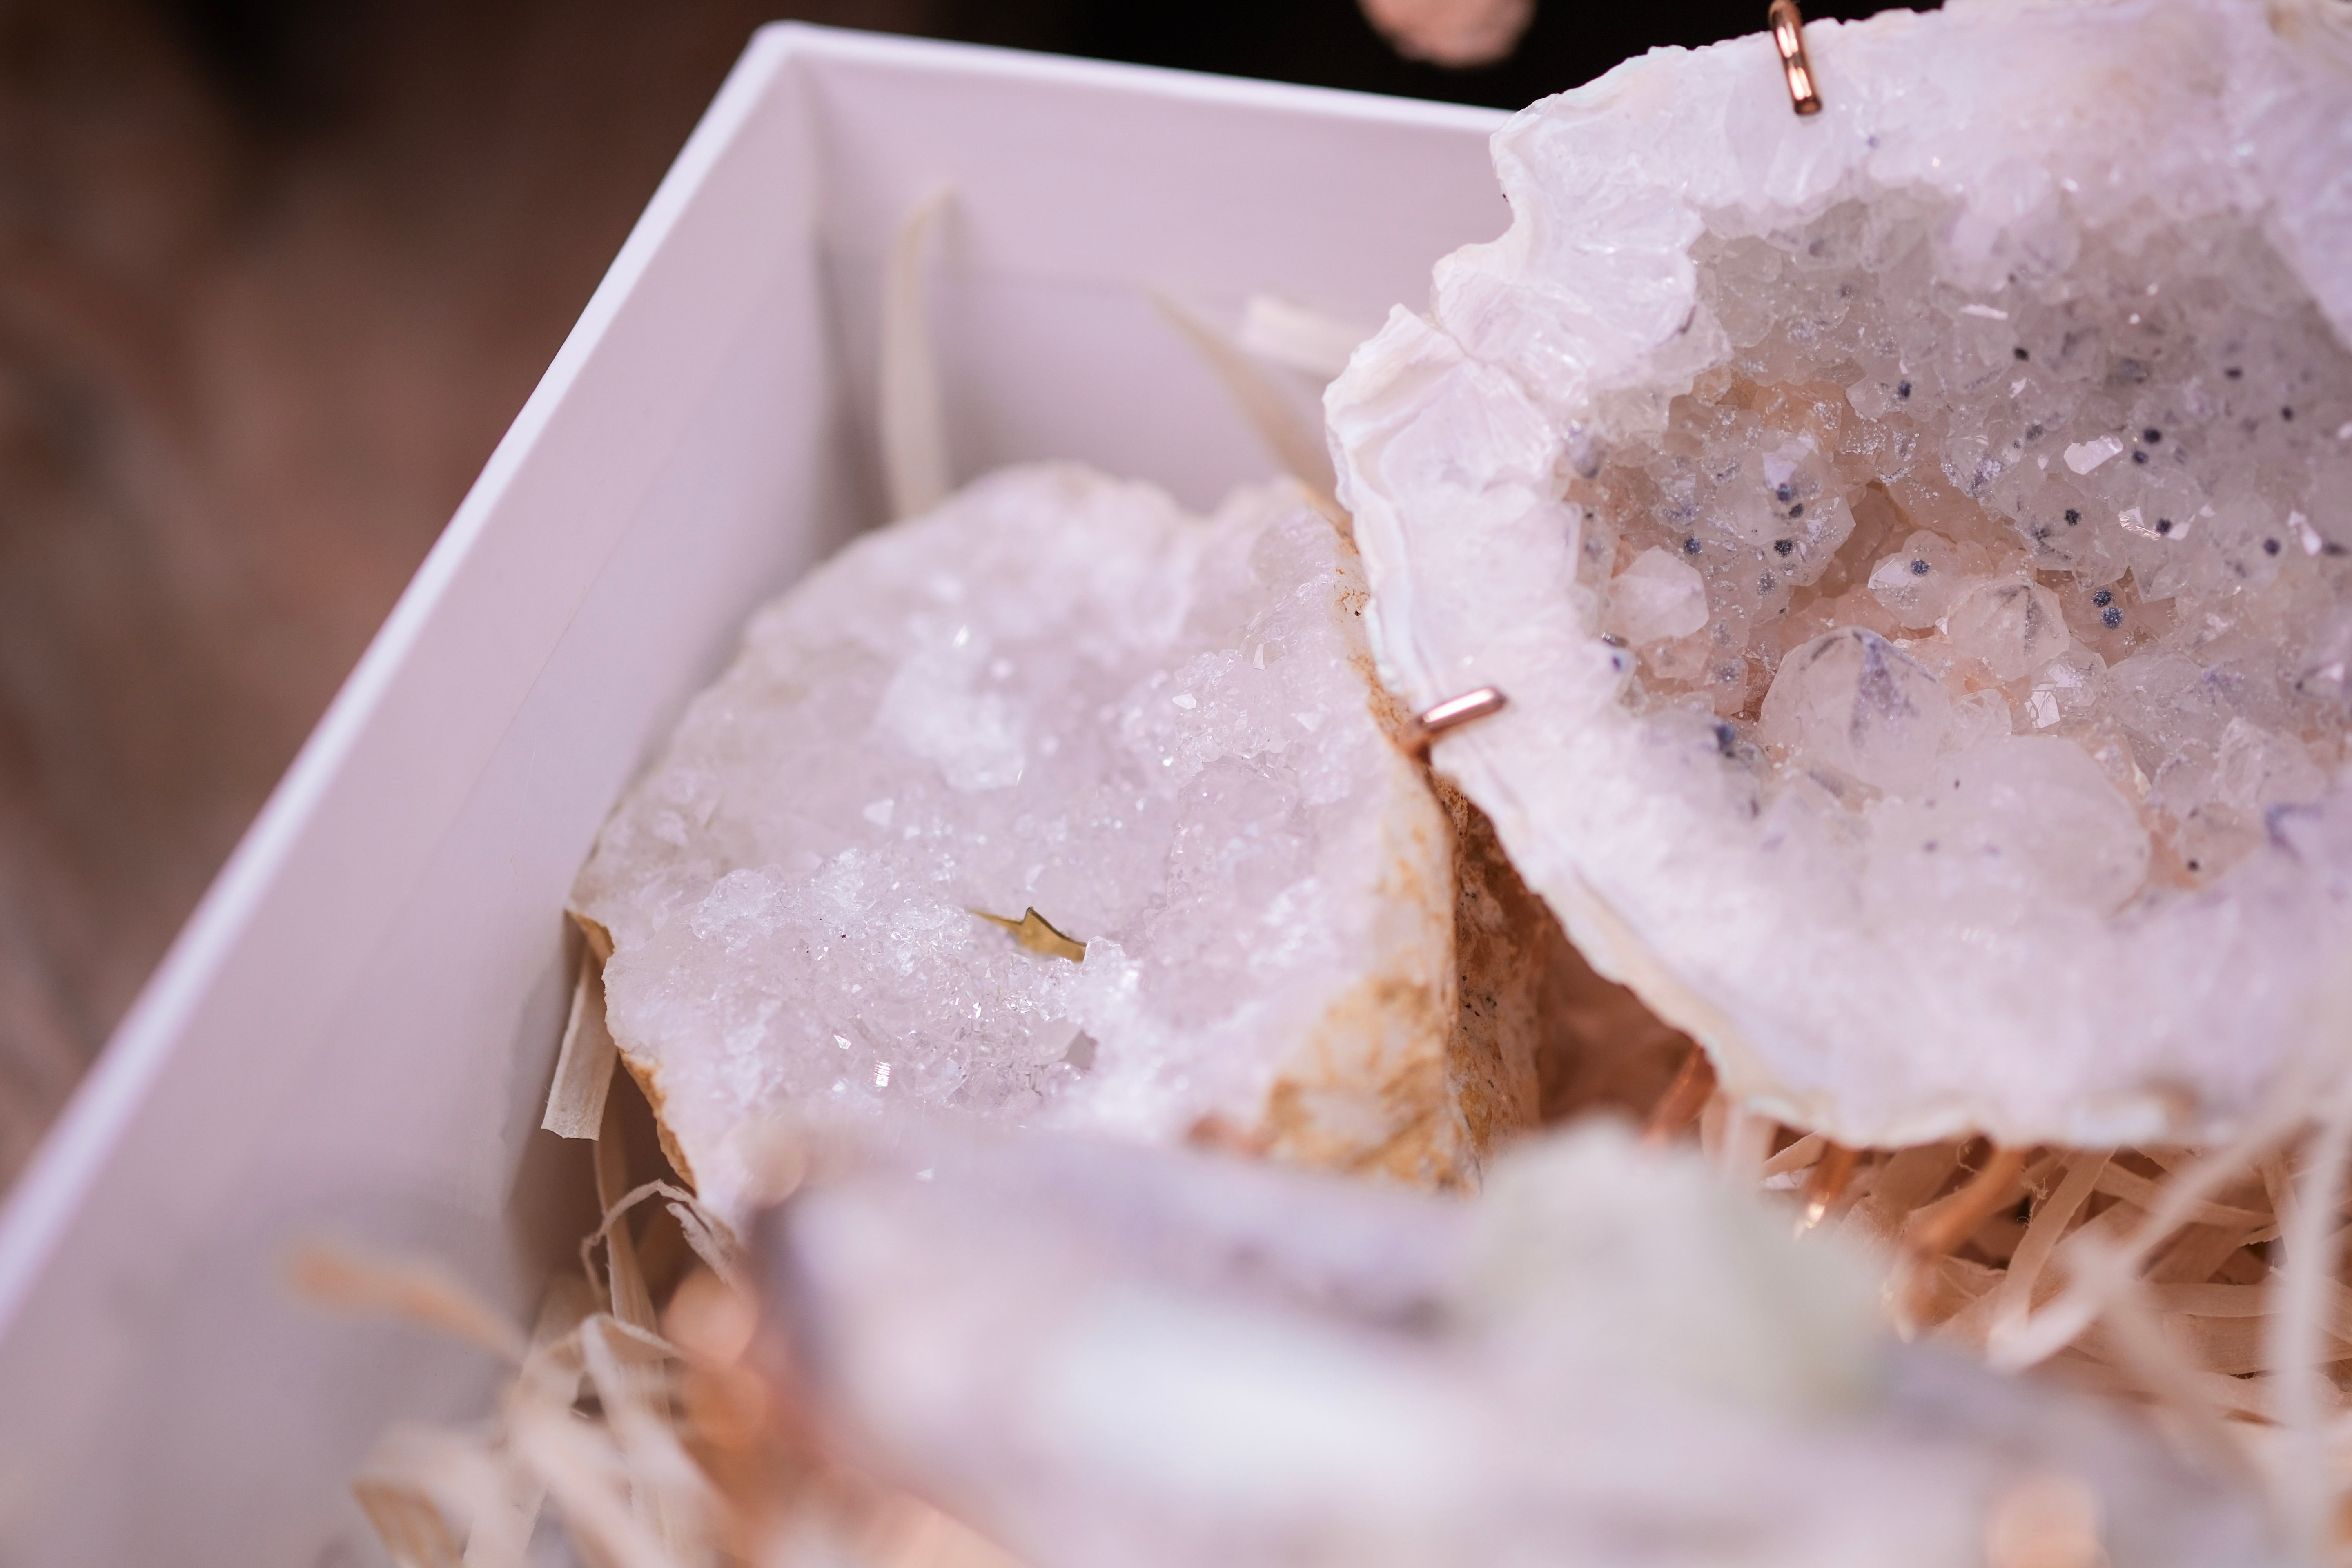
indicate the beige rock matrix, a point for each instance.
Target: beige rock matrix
{"x":1913,"y":539}
{"x":1058,"y":693}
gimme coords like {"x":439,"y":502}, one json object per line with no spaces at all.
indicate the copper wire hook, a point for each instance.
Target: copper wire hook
{"x":1789,"y":37}
{"x":1451,"y":714}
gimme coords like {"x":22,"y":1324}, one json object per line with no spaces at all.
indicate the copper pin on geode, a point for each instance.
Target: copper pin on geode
{"x":1451,"y":714}
{"x":1940,"y":1228}
{"x":1683,"y":1099}
{"x":1832,"y":1175}
{"x":1789,"y":37}
{"x":1943,"y":1225}
{"x":1035,"y":932}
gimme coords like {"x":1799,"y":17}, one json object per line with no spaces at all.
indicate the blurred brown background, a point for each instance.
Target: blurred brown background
{"x":274,"y":277}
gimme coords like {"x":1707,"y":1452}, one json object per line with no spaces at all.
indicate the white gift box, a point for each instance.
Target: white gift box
{"x":353,"y":1037}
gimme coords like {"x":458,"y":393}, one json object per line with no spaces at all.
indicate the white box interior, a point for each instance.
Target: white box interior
{"x":353,"y":1035}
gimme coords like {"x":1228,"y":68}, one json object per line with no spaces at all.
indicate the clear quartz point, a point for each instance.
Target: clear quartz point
{"x":1101,"y":1354}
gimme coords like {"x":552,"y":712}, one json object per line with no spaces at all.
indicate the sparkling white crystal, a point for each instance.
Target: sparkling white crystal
{"x":1057,"y":691}
{"x":1995,"y":410}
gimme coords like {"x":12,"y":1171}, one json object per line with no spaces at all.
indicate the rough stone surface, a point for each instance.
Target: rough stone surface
{"x":1057,"y":691}
{"x":2002,"y":418}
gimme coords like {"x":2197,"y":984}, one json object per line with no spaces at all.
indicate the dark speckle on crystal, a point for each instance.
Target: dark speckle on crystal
{"x":2117,"y":485}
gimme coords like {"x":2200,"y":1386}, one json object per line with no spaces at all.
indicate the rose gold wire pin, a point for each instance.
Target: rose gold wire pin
{"x":1825,"y":1191}
{"x":1685,"y":1099}
{"x":1451,"y":714}
{"x":1789,"y":37}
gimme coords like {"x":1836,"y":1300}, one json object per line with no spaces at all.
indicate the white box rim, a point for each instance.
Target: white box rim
{"x":50,"y":1193}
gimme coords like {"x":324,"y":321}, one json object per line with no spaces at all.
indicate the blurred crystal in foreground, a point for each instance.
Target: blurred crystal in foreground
{"x":1914,"y":540}
{"x":1121,"y":1355}
{"x":1056,"y":693}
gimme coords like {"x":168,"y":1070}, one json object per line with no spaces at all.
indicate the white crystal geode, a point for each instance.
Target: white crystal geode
{"x":1912,"y":539}
{"x":1055,"y":691}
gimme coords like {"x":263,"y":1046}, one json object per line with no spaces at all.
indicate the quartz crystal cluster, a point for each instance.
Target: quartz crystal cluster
{"x":1914,"y":539}
{"x":1161,"y":1359}
{"x":1057,"y":693}
{"x":2084,"y":507}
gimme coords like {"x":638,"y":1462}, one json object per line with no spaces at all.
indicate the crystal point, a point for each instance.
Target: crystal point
{"x":1158,"y":1360}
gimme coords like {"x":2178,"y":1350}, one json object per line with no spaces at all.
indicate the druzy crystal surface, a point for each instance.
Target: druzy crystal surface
{"x":1057,"y":692}
{"x":1914,"y":539}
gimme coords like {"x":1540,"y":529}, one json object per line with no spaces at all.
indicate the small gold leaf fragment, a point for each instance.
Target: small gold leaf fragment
{"x":1037,"y":934}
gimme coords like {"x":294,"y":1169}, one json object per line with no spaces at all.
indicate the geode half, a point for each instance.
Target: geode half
{"x":1057,"y":692}
{"x":1914,"y":540}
